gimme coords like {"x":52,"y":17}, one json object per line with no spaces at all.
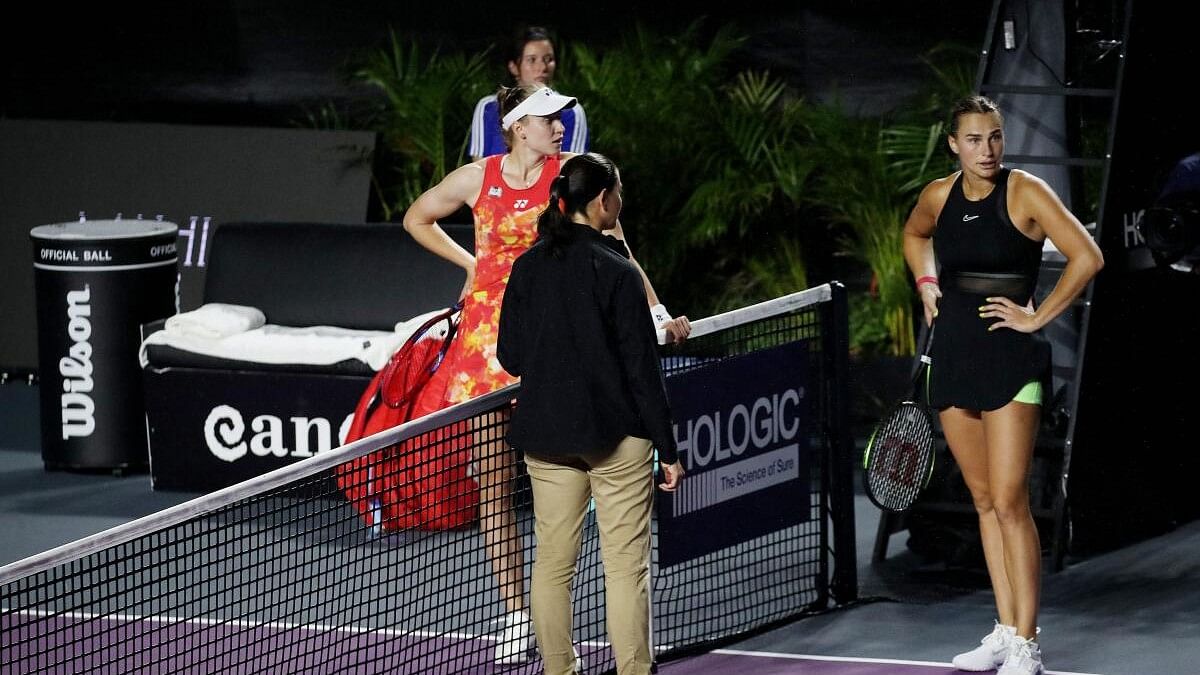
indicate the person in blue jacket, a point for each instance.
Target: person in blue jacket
{"x":531,"y":62}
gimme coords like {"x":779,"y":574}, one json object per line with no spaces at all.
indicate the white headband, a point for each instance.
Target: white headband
{"x":540,"y":103}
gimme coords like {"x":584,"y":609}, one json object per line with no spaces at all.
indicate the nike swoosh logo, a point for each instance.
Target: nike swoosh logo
{"x":969,"y":218}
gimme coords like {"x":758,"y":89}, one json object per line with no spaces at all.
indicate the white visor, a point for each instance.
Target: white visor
{"x":540,"y":103}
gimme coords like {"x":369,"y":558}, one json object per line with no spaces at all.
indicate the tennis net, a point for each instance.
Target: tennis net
{"x":284,"y":573}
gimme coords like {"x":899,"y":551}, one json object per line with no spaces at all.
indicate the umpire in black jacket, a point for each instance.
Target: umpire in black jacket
{"x":575,"y":326}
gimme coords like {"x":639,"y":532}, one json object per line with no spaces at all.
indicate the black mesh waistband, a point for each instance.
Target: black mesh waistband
{"x":1014,"y":286}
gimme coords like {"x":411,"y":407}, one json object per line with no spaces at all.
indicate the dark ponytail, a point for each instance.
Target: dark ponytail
{"x":578,"y":182}
{"x":553,"y":224}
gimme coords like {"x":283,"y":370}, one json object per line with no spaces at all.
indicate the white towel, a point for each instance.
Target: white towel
{"x":313,"y":345}
{"x":214,"y":321}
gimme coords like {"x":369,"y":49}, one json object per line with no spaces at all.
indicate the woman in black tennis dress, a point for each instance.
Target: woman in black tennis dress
{"x":984,"y":226}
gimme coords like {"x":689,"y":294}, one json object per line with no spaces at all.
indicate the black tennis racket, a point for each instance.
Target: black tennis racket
{"x":899,"y":458}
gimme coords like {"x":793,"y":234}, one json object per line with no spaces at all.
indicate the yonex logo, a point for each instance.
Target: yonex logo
{"x":969,"y":218}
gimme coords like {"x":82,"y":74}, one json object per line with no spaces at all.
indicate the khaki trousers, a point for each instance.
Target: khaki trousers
{"x":622,"y":484}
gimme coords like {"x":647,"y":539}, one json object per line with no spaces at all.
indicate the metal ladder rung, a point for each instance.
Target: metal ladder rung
{"x":1051,"y":446}
{"x":1056,"y":161}
{"x":1048,"y":90}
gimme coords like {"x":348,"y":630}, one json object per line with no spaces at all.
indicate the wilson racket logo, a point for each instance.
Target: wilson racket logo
{"x":903,"y":461}
{"x":899,"y":458}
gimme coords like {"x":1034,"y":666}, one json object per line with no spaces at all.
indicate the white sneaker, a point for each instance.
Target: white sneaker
{"x":991,"y":652}
{"x":1024,"y":658}
{"x":516,"y":643}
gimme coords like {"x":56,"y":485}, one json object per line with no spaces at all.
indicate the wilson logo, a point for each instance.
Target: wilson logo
{"x":78,"y":408}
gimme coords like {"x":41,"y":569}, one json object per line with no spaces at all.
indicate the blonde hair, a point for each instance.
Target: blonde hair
{"x":509,"y":98}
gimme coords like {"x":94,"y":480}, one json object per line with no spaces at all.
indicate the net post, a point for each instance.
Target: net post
{"x":844,"y":584}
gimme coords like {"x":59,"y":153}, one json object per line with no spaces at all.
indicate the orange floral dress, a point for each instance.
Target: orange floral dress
{"x":505,"y":227}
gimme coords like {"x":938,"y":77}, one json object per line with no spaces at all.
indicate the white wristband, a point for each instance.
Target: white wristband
{"x":660,"y":315}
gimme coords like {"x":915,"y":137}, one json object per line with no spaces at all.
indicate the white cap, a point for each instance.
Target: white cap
{"x":540,"y":103}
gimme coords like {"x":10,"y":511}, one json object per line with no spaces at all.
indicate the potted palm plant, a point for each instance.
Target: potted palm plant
{"x":699,"y":148}
{"x":420,"y":106}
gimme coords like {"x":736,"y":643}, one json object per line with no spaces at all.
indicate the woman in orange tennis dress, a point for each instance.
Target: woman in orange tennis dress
{"x":506,"y":194}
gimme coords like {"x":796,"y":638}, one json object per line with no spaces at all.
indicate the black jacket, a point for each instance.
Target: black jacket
{"x":577,"y":330}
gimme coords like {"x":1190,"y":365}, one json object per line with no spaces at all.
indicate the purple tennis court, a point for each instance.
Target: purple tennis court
{"x":765,"y":663}
{"x":127,"y":643}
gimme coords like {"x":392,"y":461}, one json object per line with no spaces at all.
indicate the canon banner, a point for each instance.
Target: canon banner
{"x":742,"y":429}
{"x":211,"y":428}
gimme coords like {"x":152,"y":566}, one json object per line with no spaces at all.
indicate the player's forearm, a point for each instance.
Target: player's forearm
{"x":651,"y":296}
{"x":1075,"y":277}
{"x":918,"y":253}
{"x":435,"y":239}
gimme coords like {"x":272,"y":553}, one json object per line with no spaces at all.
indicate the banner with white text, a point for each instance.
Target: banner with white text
{"x":742,"y":429}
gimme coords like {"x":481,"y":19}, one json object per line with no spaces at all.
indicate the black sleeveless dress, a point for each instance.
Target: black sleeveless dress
{"x":982,"y":254}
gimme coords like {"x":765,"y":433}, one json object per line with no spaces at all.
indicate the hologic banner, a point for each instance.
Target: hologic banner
{"x":742,"y":429}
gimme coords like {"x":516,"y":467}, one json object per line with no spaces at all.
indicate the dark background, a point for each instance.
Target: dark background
{"x":211,"y":75}
{"x":261,"y":62}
